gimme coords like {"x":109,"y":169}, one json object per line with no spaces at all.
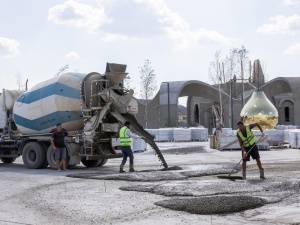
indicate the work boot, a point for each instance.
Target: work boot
{"x":244,"y":175}
{"x":262,"y":173}
{"x":131,"y":169}
{"x":121,"y":169}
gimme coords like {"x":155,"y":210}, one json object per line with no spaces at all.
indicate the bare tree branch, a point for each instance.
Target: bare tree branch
{"x":148,"y":84}
{"x":62,"y":70}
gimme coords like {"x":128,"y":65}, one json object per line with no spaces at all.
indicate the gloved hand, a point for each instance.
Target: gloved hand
{"x":262,"y":134}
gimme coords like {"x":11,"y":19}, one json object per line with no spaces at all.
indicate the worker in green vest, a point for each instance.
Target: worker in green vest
{"x":126,"y":136}
{"x":247,"y":142}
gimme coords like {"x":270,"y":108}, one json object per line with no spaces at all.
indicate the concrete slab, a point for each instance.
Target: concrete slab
{"x":48,"y":197}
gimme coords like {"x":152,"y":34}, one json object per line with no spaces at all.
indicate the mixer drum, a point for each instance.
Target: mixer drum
{"x":53,"y":101}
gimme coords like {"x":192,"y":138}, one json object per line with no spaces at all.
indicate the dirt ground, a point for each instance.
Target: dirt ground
{"x":193,"y":195}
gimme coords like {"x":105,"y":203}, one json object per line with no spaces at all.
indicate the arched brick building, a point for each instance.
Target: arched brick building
{"x":204,"y":100}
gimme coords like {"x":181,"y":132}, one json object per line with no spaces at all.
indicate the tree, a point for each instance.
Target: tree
{"x":148,"y":85}
{"x":128,"y":84}
{"x":19,"y":81}
{"x":221,"y":70}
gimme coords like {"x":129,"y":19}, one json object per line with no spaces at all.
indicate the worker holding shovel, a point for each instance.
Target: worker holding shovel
{"x":247,"y":142}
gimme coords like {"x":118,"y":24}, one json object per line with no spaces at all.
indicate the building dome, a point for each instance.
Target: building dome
{"x":259,"y":109}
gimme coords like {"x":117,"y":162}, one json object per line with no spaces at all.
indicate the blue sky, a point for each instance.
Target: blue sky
{"x":179,"y":37}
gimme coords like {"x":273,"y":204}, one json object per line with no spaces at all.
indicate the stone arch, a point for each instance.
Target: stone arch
{"x":275,"y":87}
{"x":286,"y":112}
{"x":278,"y":91}
{"x":188,"y":88}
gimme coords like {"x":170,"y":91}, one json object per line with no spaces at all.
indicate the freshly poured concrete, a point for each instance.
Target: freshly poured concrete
{"x":212,"y":204}
{"x":107,"y":197}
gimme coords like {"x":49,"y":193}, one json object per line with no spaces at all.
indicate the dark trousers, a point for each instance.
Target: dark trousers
{"x":127,"y":152}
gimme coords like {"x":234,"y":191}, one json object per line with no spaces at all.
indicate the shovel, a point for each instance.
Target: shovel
{"x":238,"y":177}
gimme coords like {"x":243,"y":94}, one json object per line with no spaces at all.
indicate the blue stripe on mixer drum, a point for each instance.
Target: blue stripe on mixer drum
{"x":81,"y":76}
{"x":48,"y":121}
{"x":46,"y":91}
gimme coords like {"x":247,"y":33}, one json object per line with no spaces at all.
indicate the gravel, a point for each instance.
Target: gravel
{"x":212,"y":204}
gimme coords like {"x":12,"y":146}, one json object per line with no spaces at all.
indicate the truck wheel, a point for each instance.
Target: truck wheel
{"x":93,"y":163}
{"x":51,"y":158}
{"x":45,"y":146}
{"x":33,"y":155}
{"x":104,"y":161}
{"x":7,"y":160}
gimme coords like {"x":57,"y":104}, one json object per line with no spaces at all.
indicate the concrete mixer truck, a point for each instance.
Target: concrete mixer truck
{"x":91,"y":107}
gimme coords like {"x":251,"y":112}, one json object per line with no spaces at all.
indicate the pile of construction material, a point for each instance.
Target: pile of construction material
{"x":230,"y":142}
{"x":294,"y":138}
{"x":199,"y":134}
{"x":291,"y":135}
{"x":275,"y":137}
{"x":163,"y":134}
{"x":180,"y":134}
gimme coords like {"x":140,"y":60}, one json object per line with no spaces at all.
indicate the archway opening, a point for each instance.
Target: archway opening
{"x":287,"y":114}
{"x":196,"y":114}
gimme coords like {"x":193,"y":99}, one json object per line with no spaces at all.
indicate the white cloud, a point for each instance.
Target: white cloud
{"x":291,"y":2}
{"x":80,"y":15}
{"x":72,"y":55}
{"x":131,"y":20}
{"x":292,"y":50}
{"x":109,"y":37}
{"x":8,"y":47}
{"x":281,"y":25}
{"x":179,"y":30}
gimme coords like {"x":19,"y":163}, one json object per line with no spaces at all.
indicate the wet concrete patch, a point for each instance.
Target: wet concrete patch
{"x":176,"y":173}
{"x":217,"y":187}
{"x":184,"y":150}
{"x":193,"y":188}
{"x":209,"y":169}
{"x":172,"y":168}
{"x":212,"y":204}
{"x":139,"y":176}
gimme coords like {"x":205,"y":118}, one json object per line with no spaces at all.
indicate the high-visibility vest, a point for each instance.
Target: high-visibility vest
{"x":125,"y":140}
{"x":250,"y":139}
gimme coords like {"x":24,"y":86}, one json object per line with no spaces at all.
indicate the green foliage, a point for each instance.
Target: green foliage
{"x":173,"y":123}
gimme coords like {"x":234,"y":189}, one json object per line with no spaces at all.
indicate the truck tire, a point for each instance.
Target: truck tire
{"x":93,"y":163}
{"x":45,"y":146}
{"x":33,"y":155}
{"x":104,"y":161}
{"x":51,"y":158}
{"x":7,"y":160}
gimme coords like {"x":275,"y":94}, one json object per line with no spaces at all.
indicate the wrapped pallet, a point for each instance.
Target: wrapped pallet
{"x":182,"y":134}
{"x":199,"y":134}
{"x":275,"y":137}
{"x":165,"y":134}
{"x":293,"y":139}
{"x":225,"y":142}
